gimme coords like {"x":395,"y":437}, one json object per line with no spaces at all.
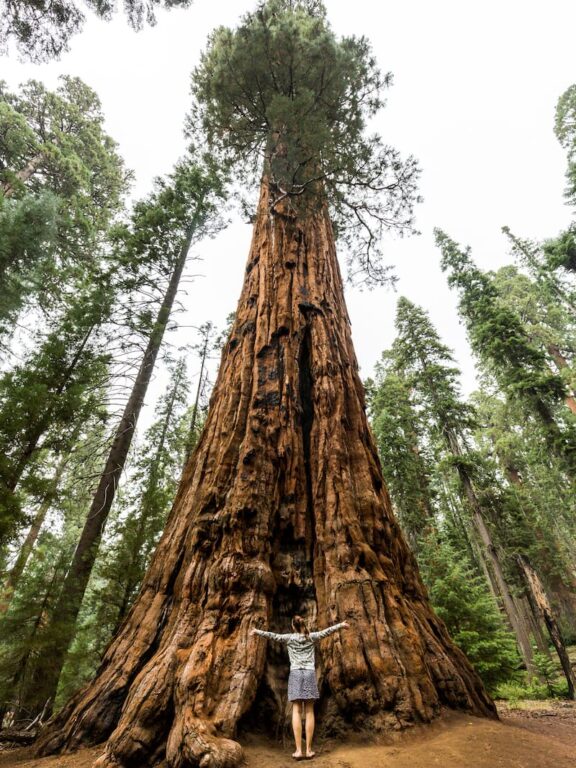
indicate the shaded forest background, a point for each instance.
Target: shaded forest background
{"x":483,"y":487}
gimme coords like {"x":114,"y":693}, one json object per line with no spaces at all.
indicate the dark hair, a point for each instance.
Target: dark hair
{"x":299,"y":625}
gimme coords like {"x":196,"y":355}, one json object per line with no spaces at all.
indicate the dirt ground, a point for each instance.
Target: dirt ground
{"x":531,"y":735}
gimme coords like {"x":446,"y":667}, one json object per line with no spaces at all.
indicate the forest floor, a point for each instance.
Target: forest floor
{"x":538,"y":734}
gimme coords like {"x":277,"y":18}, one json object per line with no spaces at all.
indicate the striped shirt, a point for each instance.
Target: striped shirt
{"x":300,"y":647}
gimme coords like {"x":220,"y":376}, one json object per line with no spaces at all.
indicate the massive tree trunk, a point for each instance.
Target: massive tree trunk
{"x":281,"y":509}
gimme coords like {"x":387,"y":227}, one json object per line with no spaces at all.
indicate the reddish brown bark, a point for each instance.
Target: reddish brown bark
{"x":282,"y":508}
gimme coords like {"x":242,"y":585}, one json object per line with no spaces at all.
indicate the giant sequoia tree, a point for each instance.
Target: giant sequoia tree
{"x":282,"y":506}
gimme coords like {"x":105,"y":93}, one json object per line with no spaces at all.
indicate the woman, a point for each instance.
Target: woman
{"x":302,"y":685}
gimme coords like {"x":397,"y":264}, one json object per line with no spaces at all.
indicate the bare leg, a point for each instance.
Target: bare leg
{"x":297,"y":727}
{"x":310,"y":722}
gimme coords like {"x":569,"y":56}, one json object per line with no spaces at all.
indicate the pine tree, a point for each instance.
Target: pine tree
{"x":61,"y":184}
{"x":565,"y":129}
{"x":461,"y":599}
{"x":505,"y":351}
{"x":23,"y":625}
{"x":413,"y":464}
{"x":406,"y":467}
{"x":428,"y":366}
{"x":140,"y":517}
{"x":178,"y":214}
{"x":282,"y":506}
{"x":44,"y":399}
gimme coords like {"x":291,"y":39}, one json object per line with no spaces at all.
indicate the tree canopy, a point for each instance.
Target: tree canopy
{"x":283,"y":92}
{"x":41,"y":29}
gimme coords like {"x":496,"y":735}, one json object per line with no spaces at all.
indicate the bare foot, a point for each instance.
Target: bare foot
{"x":310,"y":755}
{"x":297,"y":755}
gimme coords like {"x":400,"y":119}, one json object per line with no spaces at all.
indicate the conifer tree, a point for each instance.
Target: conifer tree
{"x":428,"y":365}
{"x":398,"y":430}
{"x":61,"y":184}
{"x":504,"y":350}
{"x":139,"y":519}
{"x":23,"y":625}
{"x":180,"y":212}
{"x":460,"y":596}
{"x":44,"y":399}
{"x":282,"y":507}
{"x":565,"y":129}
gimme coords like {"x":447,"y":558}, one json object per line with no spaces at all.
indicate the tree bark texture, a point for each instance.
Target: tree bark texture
{"x":281,"y":509}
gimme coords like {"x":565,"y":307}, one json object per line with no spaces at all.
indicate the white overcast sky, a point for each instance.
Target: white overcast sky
{"x":475,"y":88}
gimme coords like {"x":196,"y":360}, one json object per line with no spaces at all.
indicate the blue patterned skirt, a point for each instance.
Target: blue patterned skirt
{"x":302,"y":685}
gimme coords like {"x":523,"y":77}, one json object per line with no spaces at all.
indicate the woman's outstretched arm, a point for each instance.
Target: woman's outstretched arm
{"x":271,"y":635}
{"x":328,"y":631}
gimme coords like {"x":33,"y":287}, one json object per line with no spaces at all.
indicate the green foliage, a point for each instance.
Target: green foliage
{"x":514,"y":691}
{"x":23,"y":626}
{"x":28,"y":236}
{"x":506,"y":352}
{"x":41,"y":29}
{"x":61,"y":184}
{"x":565,"y":129}
{"x":461,"y":599}
{"x":561,"y":251}
{"x":141,"y":513}
{"x":549,"y":685}
{"x":284,"y":88}
{"x":398,"y":430}
{"x":45,"y":398}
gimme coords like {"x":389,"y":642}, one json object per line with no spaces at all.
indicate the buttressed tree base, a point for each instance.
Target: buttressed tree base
{"x":282,"y":509}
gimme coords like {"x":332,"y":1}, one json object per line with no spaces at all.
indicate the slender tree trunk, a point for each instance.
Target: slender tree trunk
{"x":565,"y":596}
{"x":532,"y":621}
{"x":23,"y":175}
{"x":80,"y":569}
{"x":41,"y":425}
{"x":541,"y":604}
{"x":134,"y":573}
{"x":28,"y":544}
{"x":563,"y":592}
{"x":490,"y":551}
{"x":19,"y":685}
{"x":281,"y":509}
{"x":192,"y":439}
